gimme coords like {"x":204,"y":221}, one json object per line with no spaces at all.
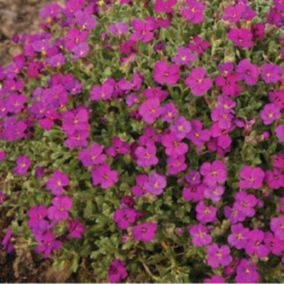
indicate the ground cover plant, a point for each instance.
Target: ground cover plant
{"x":144,"y":141}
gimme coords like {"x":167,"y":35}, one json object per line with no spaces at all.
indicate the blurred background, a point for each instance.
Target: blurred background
{"x":16,"y":16}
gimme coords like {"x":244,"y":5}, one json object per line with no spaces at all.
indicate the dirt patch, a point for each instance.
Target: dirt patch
{"x":16,"y":17}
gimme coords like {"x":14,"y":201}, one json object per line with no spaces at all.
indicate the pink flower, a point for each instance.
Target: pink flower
{"x":251,"y":177}
{"x":214,"y":173}
{"x":198,"y":82}
{"x":117,"y":271}
{"x":92,"y":156}
{"x":57,"y":182}
{"x":193,"y":11}
{"x":199,"y":235}
{"x":60,"y":208}
{"x":104,"y":177}
{"x":156,"y":184}
{"x":241,"y":37}
{"x":23,"y":165}
{"x":270,"y":113}
{"x":144,"y":232}
{"x":205,"y":214}
{"x":150,"y":110}
{"x":164,"y":6}
{"x":165,"y":73}
{"x":248,"y":72}
{"x":279,"y":130}
{"x":218,"y":256}
{"x":146,"y":155}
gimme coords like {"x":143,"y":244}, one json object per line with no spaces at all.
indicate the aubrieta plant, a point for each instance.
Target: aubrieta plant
{"x":144,"y":139}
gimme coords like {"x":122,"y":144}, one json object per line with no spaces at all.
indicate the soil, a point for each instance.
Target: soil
{"x":16,"y":17}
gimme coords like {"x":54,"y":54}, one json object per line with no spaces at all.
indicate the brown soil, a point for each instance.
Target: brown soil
{"x":16,"y":17}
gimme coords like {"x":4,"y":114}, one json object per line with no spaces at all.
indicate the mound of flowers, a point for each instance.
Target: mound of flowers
{"x":145,"y":138}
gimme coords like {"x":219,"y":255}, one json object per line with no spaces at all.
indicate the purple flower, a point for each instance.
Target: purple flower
{"x":57,"y":182}
{"x":271,"y":73}
{"x":255,"y":245}
{"x":92,"y":156}
{"x":279,"y":130}
{"x":198,"y":136}
{"x":143,"y":30}
{"x":199,"y":235}
{"x":117,"y":271}
{"x":37,"y":219}
{"x":246,"y":272}
{"x":174,"y":147}
{"x":193,"y":11}
{"x":80,"y":50}
{"x":156,"y":184}
{"x":165,"y":73}
{"x":118,"y":29}
{"x":60,"y":208}
{"x":104,"y":92}
{"x":181,"y":127}
{"x":125,"y":217}
{"x":251,"y":177}
{"x":214,"y":193}
{"x":233,"y":13}
{"x":198,"y":81}
{"x":193,"y":193}
{"x":270,"y":113}
{"x":205,"y":214}
{"x":150,"y":110}
{"x":239,"y":236}
{"x":277,"y":227}
{"x":215,"y":279}
{"x":23,"y":165}
{"x":104,"y":177}
{"x":144,"y":232}
{"x":275,"y":245}
{"x":169,"y":112}
{"x":214,"y":173}
{"x":6,"y":241}
{"x":274,"y":179}
{"x":248,"y":72}
{"x":164,"y":6}
{"x":176,"y":164}
{"x":184,"y":57}
{"x":245,"y":203}
{"x":146,"y":155}
{"x":48,"y":244}
{"x":241,"y":37}
{"x":218,"y":256}
{"x":76,"y":229}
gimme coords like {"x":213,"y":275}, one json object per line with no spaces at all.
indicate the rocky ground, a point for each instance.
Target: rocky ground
{"x":16,"y":17}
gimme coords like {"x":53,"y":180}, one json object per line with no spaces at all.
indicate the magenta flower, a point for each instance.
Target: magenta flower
{"x":218,"y":256}
{"x":241,"y":37}
{"x":117,"y":271}
{"x":76,"y":229}
{"x":37,"y":219}
{"x":248,"y":72}
{"x":199,"y":235}
{"x":239,"y":236}
{"x":165,"y":73}
{"x":104,"y":177}
{"x":60,"y":208}
{"x":214,"y":173}
{"x":198,"y":136}
{"x":255,"y":245}
{"x":57,"y":182}
{"x":181,"y":127}
{"x":193,"y":193}
{"x":277,"y":227}
{"x":169,"y":112}
{"x":184,"y":57}
{"x":274,"y":179}
{"x":6,"y":243}
{"x":118,"y":29}
{"x":48,"y":243}
{"x":271,"y":73}
{"x":279,"y":130}
{"x":193,"y":11}
{"x":125,"y":217}
{"x":144,"y":232}
{"x":146,"y":155}
{"x":92,"y":156}
{"x":270,"y":113}
{"x":143,"y":30}
{"x":214,"y":193}
{"x":164,"y":6}
{"x":150,"y":110}
{"x":176,"y":164}
{"x":245,"y":203}
{"x":103,"y":92}
{"x":205,"y":214}
{"x":173,"y":146}
{"x":23,"y":165}
{"x":251,"y":177}
{"x":275,"y":245}
{"x":156,"y":184}
{"x":246,"y":272}
{"x":198,"y":81}
{"x":233,"y":13}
